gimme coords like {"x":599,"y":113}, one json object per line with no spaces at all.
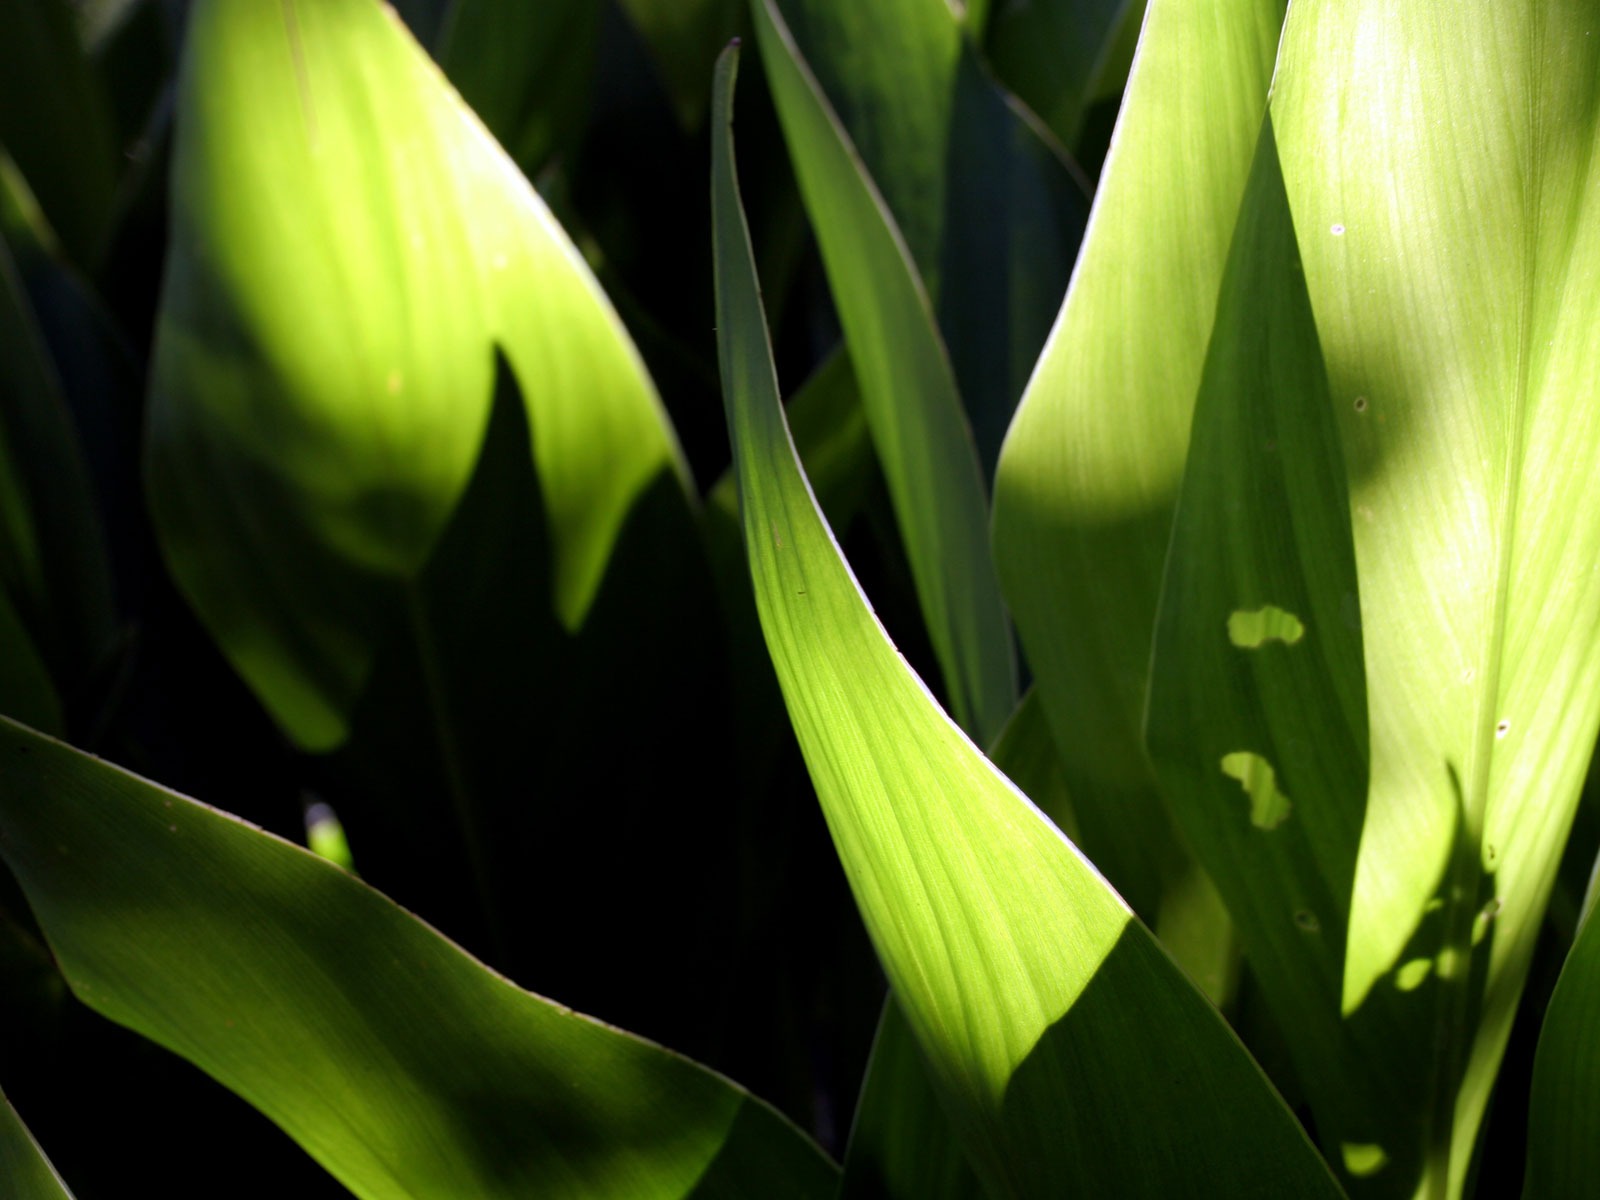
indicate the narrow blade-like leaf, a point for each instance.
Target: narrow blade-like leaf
{"x":1070,"y":1054}
{"x":908,"y":390}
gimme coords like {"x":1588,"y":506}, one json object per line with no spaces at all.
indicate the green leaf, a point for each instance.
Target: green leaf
{"x":1068,"y":1051}
{"x":1450,"y":250}
{"x":29,"y":1175}
{"x":1090,"y":471}
{"x":402,"y":1065}
{"x":907,"y":389}
{"x":348,"y":244}
{"x":901,"y":1146}
{"x":991,"y":212}
{"x":1564,"y":1106}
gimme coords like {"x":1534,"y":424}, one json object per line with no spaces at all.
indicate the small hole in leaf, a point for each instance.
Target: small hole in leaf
{"x":1250,"y":628}
{"x":1503,"y":728}
{"x":1269,"y":807}
{"x":1337,"y":230}
{"x":1361,"y":404}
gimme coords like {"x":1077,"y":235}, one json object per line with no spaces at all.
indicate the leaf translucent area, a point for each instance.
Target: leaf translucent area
{"x":1564,"y":1104}
{"x":28,"y":1173}
{"x":1440,"y":165}
{"x":401,"y":1064}
{"x":1069,"y":1052}
{"x":908,"y":391}
{"x":347,"y":245}
{"x":1090,"y":470}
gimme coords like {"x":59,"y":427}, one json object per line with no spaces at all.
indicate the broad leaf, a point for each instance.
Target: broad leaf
{"x":1450,"y":248}
{"x":348,"y":244}
{"x":1068,"y":1051}
{"x":1090,"y":471}
{"x":402,"y":1065}
{"x":1257,"y":717}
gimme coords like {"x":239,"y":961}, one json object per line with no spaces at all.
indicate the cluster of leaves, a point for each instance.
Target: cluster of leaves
{"x":348,"y":481}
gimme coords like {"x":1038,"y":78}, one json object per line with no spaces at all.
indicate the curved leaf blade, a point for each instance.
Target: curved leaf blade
{"x":1016,"y":966}
{"x":348,"y":244}
{"x":402,"y":1065}
{"x":908,"y":390}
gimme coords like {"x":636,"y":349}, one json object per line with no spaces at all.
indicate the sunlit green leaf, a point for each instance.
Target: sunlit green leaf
{"x":348,"y":245}
{"x":1449,"y":249}
{"x":1090,"y":471}
{"x":908,"y":390}
{"x":1260,"y":607}
{"x":402,"y":1065}
{"x":1069,"y":1052}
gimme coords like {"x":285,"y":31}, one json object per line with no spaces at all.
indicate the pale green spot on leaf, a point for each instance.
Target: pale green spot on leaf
{"x":1269,"y":807}
{"x":1250,"y":629}
{"x":1410,"y":975}
{"x":1363,"y":1159}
